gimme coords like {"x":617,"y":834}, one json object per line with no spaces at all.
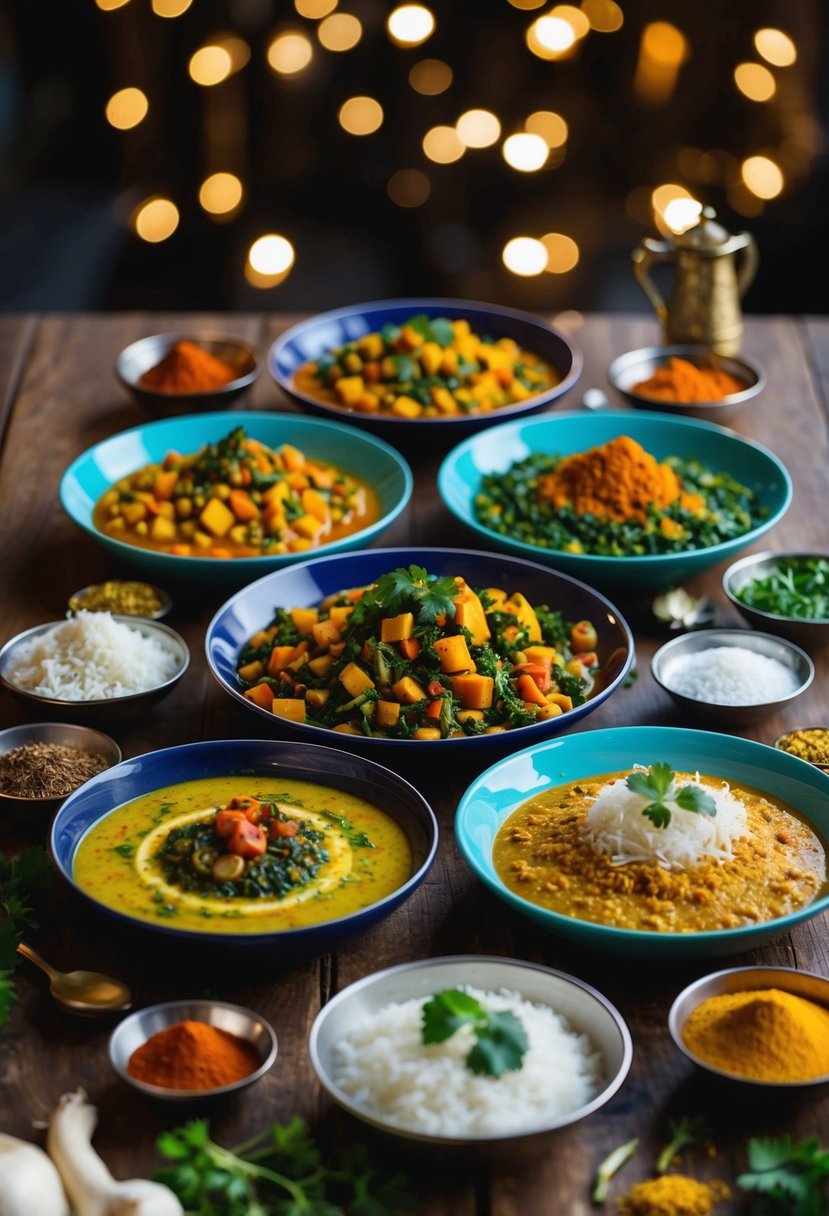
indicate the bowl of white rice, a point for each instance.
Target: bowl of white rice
{"x":366,"y":1046}
{"x":731,"y":676}
{"x":94,"y":667}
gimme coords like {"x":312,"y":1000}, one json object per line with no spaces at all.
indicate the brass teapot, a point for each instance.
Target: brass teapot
{"x":708,"y":284}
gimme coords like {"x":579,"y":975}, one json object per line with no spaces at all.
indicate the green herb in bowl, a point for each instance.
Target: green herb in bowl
{"x":797,"y":587}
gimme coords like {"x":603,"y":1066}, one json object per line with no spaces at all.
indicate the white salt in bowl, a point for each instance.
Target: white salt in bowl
{"x":669,"y":659}
{"x":585,"y":1010}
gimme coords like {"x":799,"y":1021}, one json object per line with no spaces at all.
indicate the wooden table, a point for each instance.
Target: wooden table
{"x":58,"y":396}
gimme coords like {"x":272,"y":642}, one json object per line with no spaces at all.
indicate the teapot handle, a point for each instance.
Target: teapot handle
{"x":648,"y":253}
{"x":747,"y":268}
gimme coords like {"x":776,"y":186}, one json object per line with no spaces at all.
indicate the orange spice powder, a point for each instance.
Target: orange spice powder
{"x":616,"y":480}
{"x":187,"y":368}
{"x":193,"y":1055}
{"x":681,"y":380}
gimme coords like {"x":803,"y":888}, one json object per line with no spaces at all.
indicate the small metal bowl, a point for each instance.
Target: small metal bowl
{"x":787,"y":653}
{"x":76,"y":600}
{"x":134,"y":1031}
{"x":637,"y":365}
{"x":586,"y":1010}
{"x":107,"y":709}
{"x":805,"y":984}
{"x":138,"y":358}
{"x":811,"y":635}
{"x":55,"y":732}
{"x":778,"y":743}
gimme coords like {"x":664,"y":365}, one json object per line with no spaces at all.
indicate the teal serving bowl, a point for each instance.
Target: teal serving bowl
{"x":496,"y":449}
{"x":497,"y":792}
{"x":366,"y":457}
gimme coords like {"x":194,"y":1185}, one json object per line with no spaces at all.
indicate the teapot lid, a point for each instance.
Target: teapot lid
{"x":706,"y":235}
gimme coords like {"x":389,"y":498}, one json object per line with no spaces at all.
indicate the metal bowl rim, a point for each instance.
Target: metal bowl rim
{"x":169,"y":340}
{"x":752,"y":559}
{"x":37,"y":727}
{"x":166,"y":598}
{"x":687,"y":350}
{"x":824,"y":768}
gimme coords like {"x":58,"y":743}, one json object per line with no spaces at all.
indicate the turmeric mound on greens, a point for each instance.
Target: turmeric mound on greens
{"x":617,"y":480}
{"x":673,"y":1195}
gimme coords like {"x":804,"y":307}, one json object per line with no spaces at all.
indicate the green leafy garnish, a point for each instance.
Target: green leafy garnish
{"x":501,"y":1039}
{"x":657,"y":783}
{"x":279,"y":1172}
{"x":607,"y":1168}
{"x":684,"y":1132}
{"x":20,"y":879}
{"x":409,"y":589}
{"x":797,"y":587}
{"x":789,"y":1175}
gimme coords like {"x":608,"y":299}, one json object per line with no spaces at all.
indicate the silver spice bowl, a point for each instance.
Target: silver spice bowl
{"x":63,"y":733}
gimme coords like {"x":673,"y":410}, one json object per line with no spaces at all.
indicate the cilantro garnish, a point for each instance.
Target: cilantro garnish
{"x":791,"y":1175}
{"x":657,"y":784}
{"x":409,"y":589}
{"x":501,"y":1039}
{"x":19,"y":880}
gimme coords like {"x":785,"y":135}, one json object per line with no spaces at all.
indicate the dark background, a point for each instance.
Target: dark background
{"x":70,"y":182}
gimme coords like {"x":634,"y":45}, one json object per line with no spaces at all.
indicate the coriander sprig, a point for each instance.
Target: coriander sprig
{"x":501,"y":1038}
{"x":656,"y":784}
{"x":685,"y":1132}
{"x":792,"y":1176}
{"x":19,"y":881}
{"x":408,"y":589}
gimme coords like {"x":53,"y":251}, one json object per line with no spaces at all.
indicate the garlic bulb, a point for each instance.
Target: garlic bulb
{"x":29,"y":1182}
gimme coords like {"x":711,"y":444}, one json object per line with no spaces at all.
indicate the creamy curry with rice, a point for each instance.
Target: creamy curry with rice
{"x":583,"y":850}
{"x":278,"y":855}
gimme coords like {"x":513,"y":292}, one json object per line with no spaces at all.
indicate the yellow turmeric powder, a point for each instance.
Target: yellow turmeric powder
{"x":673,"y":1195}
{"x":617,"y":480}
{"x":681,"y":380}
{"x":764,"y":1035}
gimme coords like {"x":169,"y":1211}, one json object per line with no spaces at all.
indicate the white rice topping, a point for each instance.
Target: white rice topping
{"x":90,"y":657}
{"x":386,"y":1070}
{"x":616,"y":826}
{"x":731,"y":675}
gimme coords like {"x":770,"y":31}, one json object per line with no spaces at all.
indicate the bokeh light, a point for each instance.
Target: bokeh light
{"x":109,"y":6}
{"x":662,"y":197}
{"x":605,"y":16}
{"x":315,"y":10}
{"x":430,"y":77}
{"x":755,"y":81}
{"x":478,"y":128}
{"x":575,"y":18}
{"x":210,"y":65}
{"x":562,"y":252}
{"x":762,"y":176}
{"x":524,"y":255}
{"x":549,"y":37}
{"x":527,"y":5}
{"x":271,"y":255}
{"x":409,"y":188}
{"x":339,"y":32}
{"x":127,"y":108}
{"x":662,"y":51}
{"x":443,"y":145}
{"x":680,"y":214}
{"x":361,"y":115}
{"x":525,"y":152}
{"x":776,"y":47}
{"x":155,"y":219}
{"x":290,"y":53}
{"x":550,"y":126}
{"x":170,"y":8}
{"x":221,"y":193}
{"x":410,"y":24}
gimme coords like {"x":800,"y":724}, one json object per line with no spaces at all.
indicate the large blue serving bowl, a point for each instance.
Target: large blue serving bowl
{"x":247,"y":757}
{"x":92,"y":473}
{"x":493,"y":795}
{"x":312,"y":338}
{"x":493,"y":451}
{"x":303,"y":586}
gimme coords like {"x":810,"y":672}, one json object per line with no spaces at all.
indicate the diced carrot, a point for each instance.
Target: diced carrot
{"x":226,"y":821}
{"x":165,"y":483}
{"x":434,"y":707}
{"x":283,"y":828}
{"x":261,"y":695}
{"x":243,"y":506}
{"x":247,"y":839}
{"x":528,"y":690}
{"x":540,"y":672}
{"x":409,"y":648}
{"x":180,"y":550}
{"x":217,"y":552}
{"x":247,"y":476}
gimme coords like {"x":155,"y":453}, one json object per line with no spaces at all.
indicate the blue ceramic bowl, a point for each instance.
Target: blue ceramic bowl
{"x":303,"y":586}
{"x":492,"y":797}
{"x":225,"y":757}
{"x":88,"y":477}
{"x":461,"y":474}
{"x":314,"y":337}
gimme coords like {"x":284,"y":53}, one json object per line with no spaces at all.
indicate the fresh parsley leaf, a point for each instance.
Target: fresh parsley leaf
{"x":501,"y":1039}
{"x":791,"y":1175}
{"x":692,"y":798}
{"x":410,"y":589}
{"x":658,"y":814}
{"x":656,"y":784}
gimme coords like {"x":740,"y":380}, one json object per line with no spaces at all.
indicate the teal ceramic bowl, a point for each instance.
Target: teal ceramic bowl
{"x":88,"y":477}
{"x":494,"y":450}
{"x":498,"y":791}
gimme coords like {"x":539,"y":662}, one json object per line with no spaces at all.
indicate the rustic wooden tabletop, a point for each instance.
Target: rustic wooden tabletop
{"x":57,"y":397}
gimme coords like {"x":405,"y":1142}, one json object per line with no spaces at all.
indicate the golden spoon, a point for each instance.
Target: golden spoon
{"x":81,"y":991}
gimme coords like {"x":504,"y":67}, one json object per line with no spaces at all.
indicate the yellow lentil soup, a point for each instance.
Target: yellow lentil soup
{"x":544,"y":854}
{"x":212,"y":857}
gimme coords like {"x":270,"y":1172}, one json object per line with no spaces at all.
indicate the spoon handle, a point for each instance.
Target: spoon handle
{"x":34,"y":957}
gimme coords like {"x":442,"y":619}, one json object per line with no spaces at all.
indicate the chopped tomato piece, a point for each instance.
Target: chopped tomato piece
{"x":247,"y":839}
{"x":226,"y":822}
{"x":434,"y":688}
{"x":280,"y":827}
{"x":539,"y":672}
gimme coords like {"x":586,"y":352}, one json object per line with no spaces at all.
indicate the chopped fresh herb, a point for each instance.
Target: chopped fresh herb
{"x":501,"y":1039}
{"x":607,"y":1168}
{"x":791,"y":1176}
{"x":797,"y":587}
{"x":631,"y":678}
{"x":684,"y":1132}
{"x":125,"y":850}
{"x":20,"y":880}
{"x":657,"y":784}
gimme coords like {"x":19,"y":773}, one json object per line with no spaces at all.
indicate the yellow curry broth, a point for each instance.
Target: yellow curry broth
{"x":543,"y":855}
{"x":111,"y":865}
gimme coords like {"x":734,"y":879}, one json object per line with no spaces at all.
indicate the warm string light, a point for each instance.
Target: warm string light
{"x":109,"y":6}
{"x":605,"y":16}
{"x":361,"y":115}
{"x":210,"y":65}
{"x":762,"y":176}
{"x":550,"y":37}
{"x":525,"y":152}
{"x":550,"y":126}
{"x":755,"y":81}
{"x":775,"y":47}
{"x":478,"y":129}
{"x":410,"y":25}
{"x":430,"y":77}
{"x":315,"y":10}
{"x":443,"y":145}
{"x":562,"y":252}
{"x":524,"y":255}
{"x":127,"y":108}
{"x":339,"y":32}
{"x":155,"y":219}
{"x":290,"y":53}
{"x":680,"y":214}
{"x":270,"y":259}
{"x":170,"y":8}
{"x":221,"y":194}
{"x":662,"y":51}
{"x":663,"y":197}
